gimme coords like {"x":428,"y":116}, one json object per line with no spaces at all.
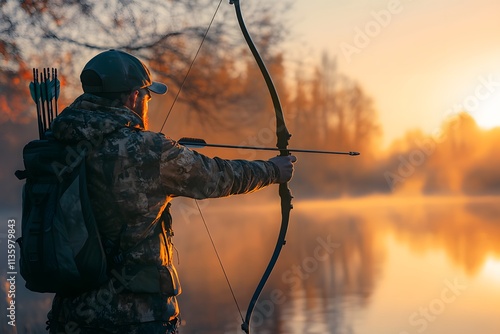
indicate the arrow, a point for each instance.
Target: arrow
{"x":200,"y":143}
{"x":45,"y":91}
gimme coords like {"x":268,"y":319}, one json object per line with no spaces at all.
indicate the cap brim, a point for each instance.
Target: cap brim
{"x":158,"y":88}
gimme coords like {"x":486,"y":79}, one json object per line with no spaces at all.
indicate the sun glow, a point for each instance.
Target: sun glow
{"x":487,"y":114}
{"x":491,"y":268}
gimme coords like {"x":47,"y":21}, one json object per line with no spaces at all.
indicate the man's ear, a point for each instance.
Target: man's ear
{"x":132,"y":99}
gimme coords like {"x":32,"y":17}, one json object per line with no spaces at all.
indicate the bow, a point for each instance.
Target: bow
{"x":283,"y":136}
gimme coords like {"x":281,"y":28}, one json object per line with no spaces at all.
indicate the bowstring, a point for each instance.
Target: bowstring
{"x":220,"y":261}
{"x":197,"y":205}
{"x":190,"y":66}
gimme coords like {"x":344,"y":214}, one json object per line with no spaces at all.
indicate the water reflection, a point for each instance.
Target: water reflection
{"x":379,"y":265}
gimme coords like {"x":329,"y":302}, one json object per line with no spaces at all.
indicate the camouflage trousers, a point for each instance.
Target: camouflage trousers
{"x":156,"y":327}
{"x":113,"y":313}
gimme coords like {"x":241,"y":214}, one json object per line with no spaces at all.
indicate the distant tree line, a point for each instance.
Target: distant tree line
{"x":225,"y":99}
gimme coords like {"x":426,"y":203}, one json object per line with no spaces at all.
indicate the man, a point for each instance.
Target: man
{"x":133,"y":174}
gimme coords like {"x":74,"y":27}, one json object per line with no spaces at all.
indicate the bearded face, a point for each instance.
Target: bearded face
{"x":140,"y":105}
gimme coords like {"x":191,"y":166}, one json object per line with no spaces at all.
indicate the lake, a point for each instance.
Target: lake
{"x":388,"y":265}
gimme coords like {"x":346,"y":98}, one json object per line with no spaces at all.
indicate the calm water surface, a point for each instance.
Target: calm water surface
{"x":378,"y":265}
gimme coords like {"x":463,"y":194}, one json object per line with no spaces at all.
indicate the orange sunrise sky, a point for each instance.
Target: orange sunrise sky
{"x":420,"y":61}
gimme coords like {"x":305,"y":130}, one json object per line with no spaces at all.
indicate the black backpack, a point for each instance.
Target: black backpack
{"x":61,"y":250}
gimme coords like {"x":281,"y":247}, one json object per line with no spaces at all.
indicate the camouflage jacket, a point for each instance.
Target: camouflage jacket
{"x":133,"y":175}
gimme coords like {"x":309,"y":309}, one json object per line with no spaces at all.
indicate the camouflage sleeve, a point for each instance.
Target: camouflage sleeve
{"x":185,"y":172}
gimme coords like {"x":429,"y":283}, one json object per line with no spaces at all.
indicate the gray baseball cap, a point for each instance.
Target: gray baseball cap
{"x":115,"y":71}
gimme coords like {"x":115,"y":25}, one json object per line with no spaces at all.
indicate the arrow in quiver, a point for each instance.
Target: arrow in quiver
{"x":45,"y":90}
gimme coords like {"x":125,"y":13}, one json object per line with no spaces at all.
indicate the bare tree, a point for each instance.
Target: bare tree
{"x":164,"y":33}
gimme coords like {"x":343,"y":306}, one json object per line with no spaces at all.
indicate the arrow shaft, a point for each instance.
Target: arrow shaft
{"x":195,"y":144}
